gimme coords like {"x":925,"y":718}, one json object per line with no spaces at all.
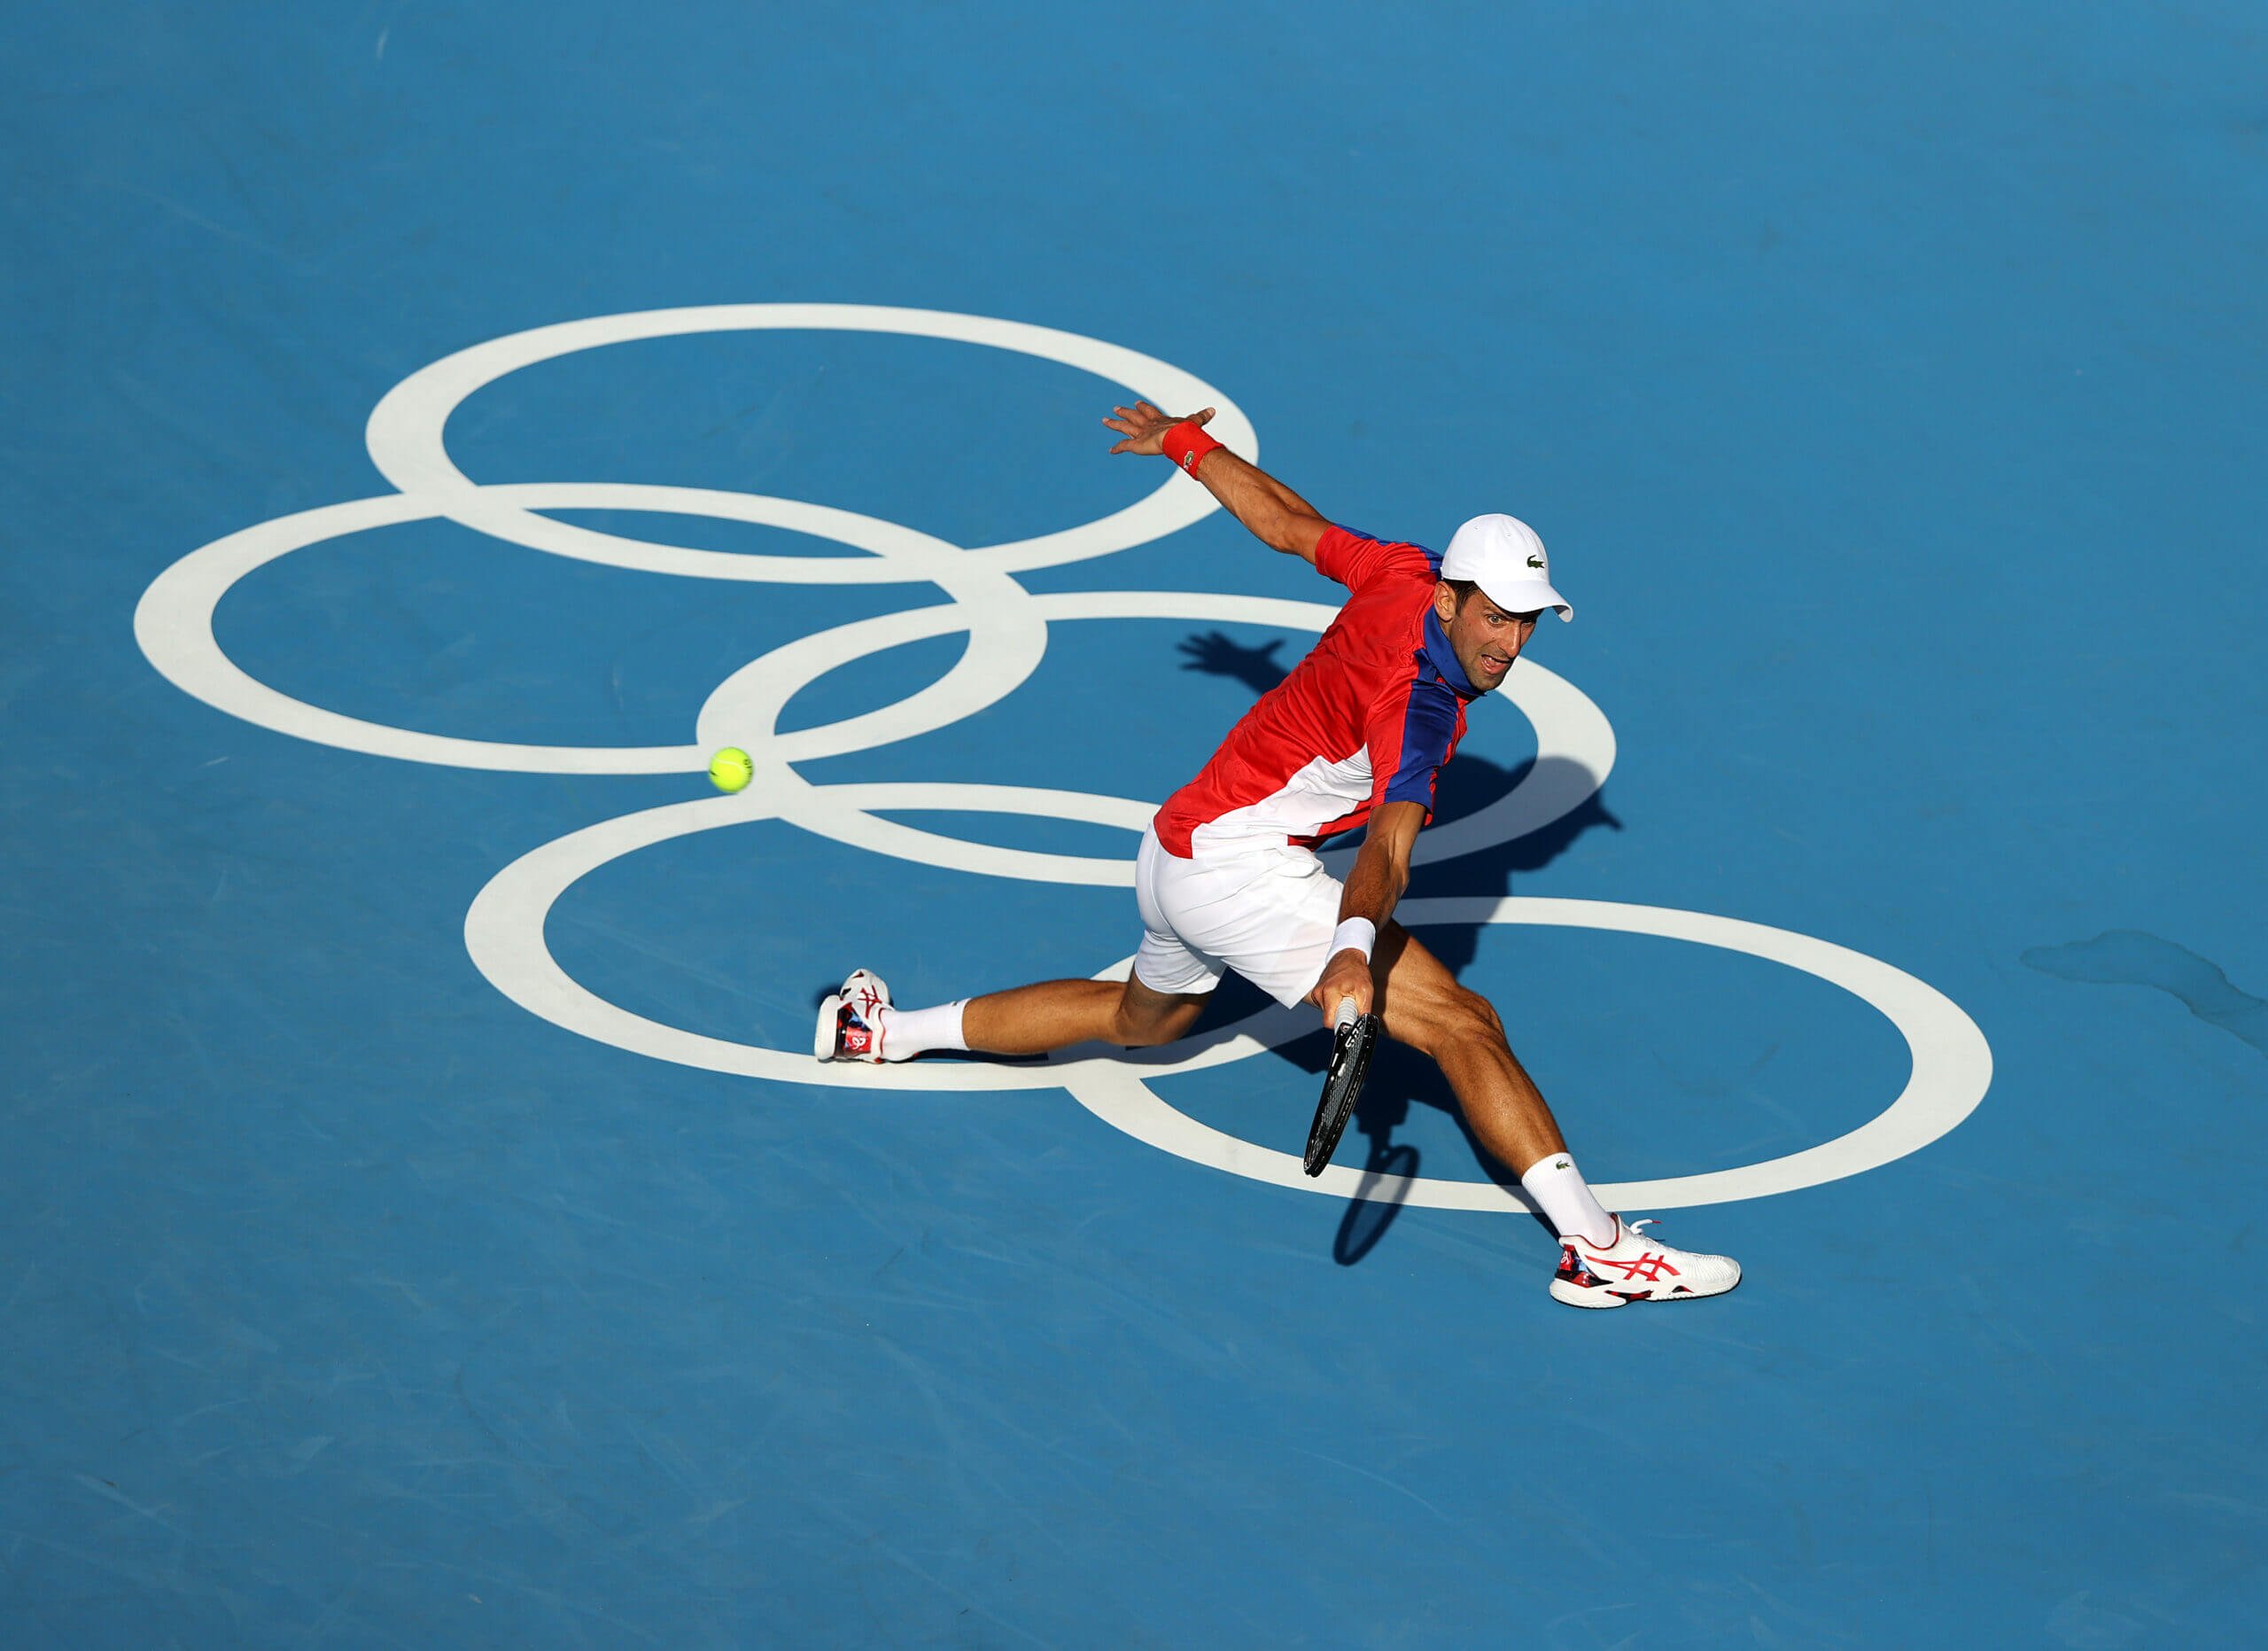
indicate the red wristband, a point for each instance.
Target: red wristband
{"x":1186,"y":444}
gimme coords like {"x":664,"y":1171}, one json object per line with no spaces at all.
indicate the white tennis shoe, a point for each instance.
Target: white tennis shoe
{"x":849,"y":1028}
{"x":1635,"y":1268}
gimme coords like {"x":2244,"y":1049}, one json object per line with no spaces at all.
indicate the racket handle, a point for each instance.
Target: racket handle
{"x":1347,"y":1015}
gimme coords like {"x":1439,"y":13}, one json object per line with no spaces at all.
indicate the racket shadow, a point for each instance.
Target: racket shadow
{"x":1399,"y":1079}
{"x":1387,"y":1168}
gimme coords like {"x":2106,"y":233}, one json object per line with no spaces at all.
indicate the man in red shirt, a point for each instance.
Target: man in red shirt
{"x":1227,"y":876}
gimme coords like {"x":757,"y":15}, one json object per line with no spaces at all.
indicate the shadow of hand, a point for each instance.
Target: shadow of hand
{"x":1219,"y":655}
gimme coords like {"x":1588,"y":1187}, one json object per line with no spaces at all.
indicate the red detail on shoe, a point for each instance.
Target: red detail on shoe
{"x":1573,"y":1270}
{"x":852,"y":1041}
{"x":1648,"y":1266}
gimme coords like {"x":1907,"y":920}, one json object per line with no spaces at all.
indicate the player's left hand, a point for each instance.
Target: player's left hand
{"x":1348,"y":975}
{"x":1144,"y":425}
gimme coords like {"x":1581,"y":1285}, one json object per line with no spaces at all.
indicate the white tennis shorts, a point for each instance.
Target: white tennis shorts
{"x":1266,"y":911}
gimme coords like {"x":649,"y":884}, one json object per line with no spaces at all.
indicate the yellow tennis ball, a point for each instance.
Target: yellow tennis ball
{"x":730,"y":769}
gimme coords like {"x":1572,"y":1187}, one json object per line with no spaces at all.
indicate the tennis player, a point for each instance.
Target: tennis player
{"x":1227,"y":875}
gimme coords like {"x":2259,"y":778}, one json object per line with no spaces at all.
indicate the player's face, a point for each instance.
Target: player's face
{"x":1485,"y":638}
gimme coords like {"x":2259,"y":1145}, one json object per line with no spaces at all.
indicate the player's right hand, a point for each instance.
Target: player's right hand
{"x":1144,"y":425}
{"x":1347,"y":975}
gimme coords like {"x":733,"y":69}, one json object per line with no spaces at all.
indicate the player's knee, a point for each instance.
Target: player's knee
{"x":1464,"y":1019}
{"x":1131,"y":1031}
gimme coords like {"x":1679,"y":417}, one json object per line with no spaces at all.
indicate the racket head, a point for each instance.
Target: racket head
{"x":1342,"y":1086}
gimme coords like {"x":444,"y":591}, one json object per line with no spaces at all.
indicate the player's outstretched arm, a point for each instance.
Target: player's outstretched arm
{"x":1276,"y":516}
{"x":1373,"y":889}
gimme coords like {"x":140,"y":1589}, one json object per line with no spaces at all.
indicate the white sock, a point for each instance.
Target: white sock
{"x":1566,"y":1200}
{"x":908,"y":1032}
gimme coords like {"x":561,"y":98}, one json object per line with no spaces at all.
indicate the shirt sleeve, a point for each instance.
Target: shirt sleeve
{"x":1355,"y":560}
{"x":1410,"y":736}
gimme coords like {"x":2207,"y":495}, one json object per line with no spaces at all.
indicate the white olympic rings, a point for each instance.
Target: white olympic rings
{"x":1007,"y":628}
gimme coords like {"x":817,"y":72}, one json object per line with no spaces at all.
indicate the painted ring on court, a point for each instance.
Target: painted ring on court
{"x":1951,"y":1069}
{"x":1952,"y":1064}
{"x":406,"y":433}
{"x":173,"y":622}
{"x":1575,"y":746}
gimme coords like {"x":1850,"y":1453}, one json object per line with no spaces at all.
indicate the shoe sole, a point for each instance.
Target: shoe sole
{"x":1609,"y":1306}
{"x":823,"y":1039}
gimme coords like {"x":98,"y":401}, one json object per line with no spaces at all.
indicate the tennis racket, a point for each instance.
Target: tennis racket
{"x":1342,"y":1085}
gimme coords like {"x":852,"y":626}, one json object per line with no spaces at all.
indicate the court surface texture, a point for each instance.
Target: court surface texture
{"x":431,"y":430}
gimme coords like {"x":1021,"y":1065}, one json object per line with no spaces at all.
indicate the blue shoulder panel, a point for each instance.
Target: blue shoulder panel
{"x":1428,"y":727}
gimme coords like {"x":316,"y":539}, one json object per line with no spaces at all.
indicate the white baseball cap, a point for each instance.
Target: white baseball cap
{"x":1503,"y":556}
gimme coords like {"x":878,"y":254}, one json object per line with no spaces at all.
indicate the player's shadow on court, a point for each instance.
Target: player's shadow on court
{"x":1401,"y":1077}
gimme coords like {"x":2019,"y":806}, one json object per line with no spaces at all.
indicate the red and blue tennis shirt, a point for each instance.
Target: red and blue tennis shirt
{"x":1368,"y":717}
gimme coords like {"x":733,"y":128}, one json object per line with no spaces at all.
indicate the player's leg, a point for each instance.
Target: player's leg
{"x":1159,"y":1001}
{"x":1273,"y":925}
{"x":1276,"y":927}
{"x":1037,"y":1019}
{"x":1604,"y":1262}
{"x":1054,"y":1015}
{"x":1423,"y":1005}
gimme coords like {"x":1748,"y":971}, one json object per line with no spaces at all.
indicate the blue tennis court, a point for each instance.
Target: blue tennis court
{"x":430,"y":435}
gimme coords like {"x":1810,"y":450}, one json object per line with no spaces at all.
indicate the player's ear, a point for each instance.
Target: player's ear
{"x":1444,"y":600}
